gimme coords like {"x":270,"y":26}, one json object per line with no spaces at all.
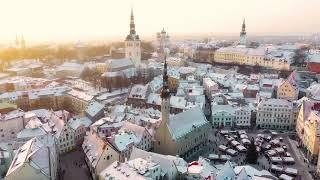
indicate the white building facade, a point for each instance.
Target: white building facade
{"x":275,"y":114}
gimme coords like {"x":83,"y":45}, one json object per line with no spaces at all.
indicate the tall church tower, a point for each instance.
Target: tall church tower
{"x":243,"y":33}
{"x":162,"y":135}
{"x":132,"y":44}
{"x":165,"y":96}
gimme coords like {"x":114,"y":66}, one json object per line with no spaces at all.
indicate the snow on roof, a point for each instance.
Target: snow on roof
{"x":138,"y":91}
{"x":29,"y":133}
{"x":137,"y":130}
{"x":16,"y":114}
{"x":80,"y":95}
{"x":178,"y":102}
{"x":56,"y":91}
{"x":226,"y":172}
{"x":93,"y":147}
{"x":75,"y":123}
{"x":113,"y":74}
{"x":223,"y":108}
{"x":35,"y":93}
{"x":94,"y":108}
{"x":120,"y":171}
{"x":253,"y":87}
{"x":36,"y":154}
{"x":253,"y":172}
{"x":119,"y":63}
{"x":123,"y":140}
{"x":70,"y":66}
{"x":292,"y":171}
{"x":156,"y":84}
{"x":277,"y":102}
{"x":202,"y":167}
{"x":165,"y":161}
{"x":40,"y":113}
{"x":187,"y":70}
{"x":23,"y":79}
{"x":108,"y":95}
{"x":314,"y":91}
{"x":209,"y":82}
{"x":182,"y":123}
{"x":154,"y":98}
{"x":285,"y":177}
{"x":243,"y":175}
{"x":233,"y":50}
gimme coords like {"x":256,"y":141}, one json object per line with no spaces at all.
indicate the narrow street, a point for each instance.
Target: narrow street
{"x":73,"y":166}
{"x":301,"y":165}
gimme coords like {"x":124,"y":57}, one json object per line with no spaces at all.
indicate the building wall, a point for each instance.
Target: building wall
{"x":230,"y":57}
{"x":133,"y":51}
{"x":223,"y":118}
{"x":287,"y":91}
{"x":79,"y":134}
{"x":300,"y":122}
{"x":164,"y":144}
{"x":66,"y":141}
{"x":146,"y":141}
{"x":310,"y":137}
{"x":204,"y":55}
{"x":74,"y":104}
{"x":275,"y":117}
{"x":108,"y":156}
{"x":242,"y":117}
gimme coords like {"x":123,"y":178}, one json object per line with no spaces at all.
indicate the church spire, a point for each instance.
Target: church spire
{"x":132,"y":25}
{"x":243,"y":30}
{"x":165,"y":92}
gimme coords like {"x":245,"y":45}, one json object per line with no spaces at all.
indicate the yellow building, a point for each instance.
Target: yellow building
{"x":230,"y":55}
{"x":311,"y":135}
{"x":287,"y":90}
{"x":101,"y":67}
{"x":252,"y":57}
{"x":307,"y":128}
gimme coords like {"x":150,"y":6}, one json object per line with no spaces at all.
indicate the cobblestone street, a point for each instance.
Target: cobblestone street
{"x":72,"y":166}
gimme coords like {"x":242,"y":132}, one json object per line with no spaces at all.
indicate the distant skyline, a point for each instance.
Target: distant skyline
{"x":72,"y":20}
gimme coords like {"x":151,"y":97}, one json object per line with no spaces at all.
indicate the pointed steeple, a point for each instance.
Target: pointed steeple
{"x":165,"y":92}
{"x":132,"y":25}
{"x":243,"y":30}
{"x":244,"y":25}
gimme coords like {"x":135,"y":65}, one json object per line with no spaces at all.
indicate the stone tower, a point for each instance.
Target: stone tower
{"x":132,"y":44}
{"x":162,"y":135}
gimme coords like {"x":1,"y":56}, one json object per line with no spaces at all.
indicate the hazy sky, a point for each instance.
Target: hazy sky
{"x":85,"y":19}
